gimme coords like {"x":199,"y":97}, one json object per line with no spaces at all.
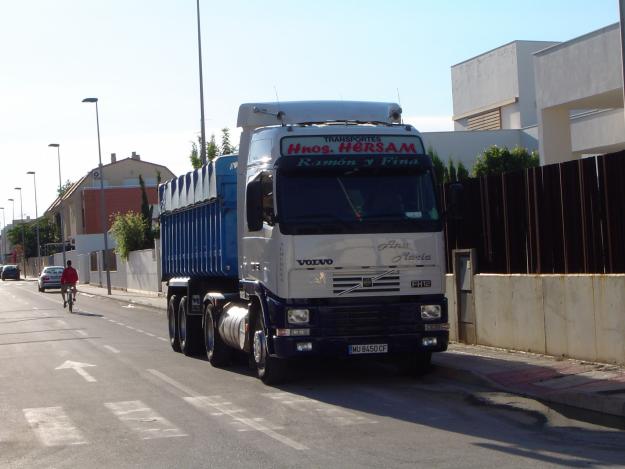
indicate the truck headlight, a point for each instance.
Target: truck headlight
{"x":429,"y":312}
{"x":297,"y":316}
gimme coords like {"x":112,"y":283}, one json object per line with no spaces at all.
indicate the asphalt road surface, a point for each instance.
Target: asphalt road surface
{"x":102,"y":388}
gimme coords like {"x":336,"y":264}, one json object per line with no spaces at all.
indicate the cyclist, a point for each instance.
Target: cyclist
{"x":68,"y":280}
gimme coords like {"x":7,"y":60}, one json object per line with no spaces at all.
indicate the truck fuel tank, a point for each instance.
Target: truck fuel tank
{"x":232,"y":325}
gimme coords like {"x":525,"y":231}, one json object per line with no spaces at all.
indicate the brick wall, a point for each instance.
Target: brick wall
{"x":117,"y":199}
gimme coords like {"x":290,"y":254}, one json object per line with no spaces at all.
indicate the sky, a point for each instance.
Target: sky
{"x":140,"y":59}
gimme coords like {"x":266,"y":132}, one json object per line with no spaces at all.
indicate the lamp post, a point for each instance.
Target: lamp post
{"x":36,"y":222}
{"x":23,"y":232}
{"x":199,"y":51}
{"x":102,"y":205}
{"x":58,"y":153}
{"x":12,"y":219}
{"x":4,"y":243}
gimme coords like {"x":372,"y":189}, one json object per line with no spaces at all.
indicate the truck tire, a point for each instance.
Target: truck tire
{"x":270,"y":370}
{"x":172,"y":321}
{"x":416,"y":364}
{"x":217,"y":352}
{"x":189,"y":335}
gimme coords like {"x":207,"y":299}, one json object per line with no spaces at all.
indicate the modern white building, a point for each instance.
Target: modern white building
{"x":563,"y":99}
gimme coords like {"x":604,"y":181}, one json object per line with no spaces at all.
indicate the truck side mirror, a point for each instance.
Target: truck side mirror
{"x":254,"y":205}
{"x":454,"y":207}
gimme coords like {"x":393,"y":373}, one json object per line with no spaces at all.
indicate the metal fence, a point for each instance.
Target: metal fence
{"x":560,"y":218}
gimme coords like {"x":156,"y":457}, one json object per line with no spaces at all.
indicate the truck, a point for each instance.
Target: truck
{"x":322,"y":237}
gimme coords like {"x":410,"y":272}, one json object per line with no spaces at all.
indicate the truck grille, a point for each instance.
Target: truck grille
{"x":365,"y":281}
{"x":367,"y":321}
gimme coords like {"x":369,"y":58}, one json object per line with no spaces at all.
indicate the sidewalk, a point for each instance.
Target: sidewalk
{"x":154,"y":300}
{"x":584,"y":385}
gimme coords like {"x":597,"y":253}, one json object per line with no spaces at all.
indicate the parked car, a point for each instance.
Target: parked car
{"x":50,"y":277}
{"x":10,"y":271}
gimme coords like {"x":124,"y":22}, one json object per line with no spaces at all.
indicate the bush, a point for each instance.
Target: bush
{"x":496,"y":160}
{"x":129,"y":229}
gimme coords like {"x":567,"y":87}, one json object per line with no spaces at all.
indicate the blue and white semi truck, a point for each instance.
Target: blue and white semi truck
{"x":322,"y":237}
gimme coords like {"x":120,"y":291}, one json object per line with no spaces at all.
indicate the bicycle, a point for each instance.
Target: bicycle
{"x":70,"y":301}
{"x":70,"y":292}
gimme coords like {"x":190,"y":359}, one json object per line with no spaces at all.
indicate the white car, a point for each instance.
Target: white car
{"x":50,"y":277}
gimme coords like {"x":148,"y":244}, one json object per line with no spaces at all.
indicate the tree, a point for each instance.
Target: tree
{"x":463,"y":172}
{"x":128,"y":229}
{"x":146,"y":211}
{"x":194,"y":157}
{"x":451,"y":171}
{"x":497,"y":160}
{"x":64,"y":188}
{"x":48,"y":233}
{"x":440,"y":171}
{"x":212,"y":149}
{"x":226,"y":147}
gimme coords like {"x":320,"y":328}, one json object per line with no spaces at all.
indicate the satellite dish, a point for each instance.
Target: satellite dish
{"x":96,"y":174}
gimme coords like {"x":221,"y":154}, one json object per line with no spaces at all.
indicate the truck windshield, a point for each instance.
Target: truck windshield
{"x":357,"y":201}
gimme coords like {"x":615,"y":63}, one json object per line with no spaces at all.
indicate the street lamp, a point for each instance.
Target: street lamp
{"x":4,"y":243}
{"x":36,"y":221}
{"x":12,"y":219}
{"x":102,"y":206}
{"x":58,"y":152}
{"x":199,"y":51}
{"x":23,"y":231}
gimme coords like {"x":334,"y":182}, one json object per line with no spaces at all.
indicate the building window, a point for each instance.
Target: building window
{"x":490,"y":120}
{"x":94,"y":261}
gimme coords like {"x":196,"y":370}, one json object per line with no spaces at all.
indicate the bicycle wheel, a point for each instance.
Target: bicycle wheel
{"x":70,"y":303}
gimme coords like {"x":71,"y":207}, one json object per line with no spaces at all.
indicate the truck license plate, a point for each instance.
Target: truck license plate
{"x":367,"y":348}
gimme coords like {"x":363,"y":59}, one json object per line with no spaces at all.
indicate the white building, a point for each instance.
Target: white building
{"x":563,"y":99}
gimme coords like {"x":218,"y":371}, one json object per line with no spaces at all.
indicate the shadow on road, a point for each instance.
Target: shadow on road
{"x":378,"y":389}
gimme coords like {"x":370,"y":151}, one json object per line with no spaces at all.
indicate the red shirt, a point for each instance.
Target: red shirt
{"x":69,"y":276}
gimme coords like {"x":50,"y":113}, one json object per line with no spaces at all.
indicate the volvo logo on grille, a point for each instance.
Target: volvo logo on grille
{"x":315,"y":261}
{"x":367,"y":282}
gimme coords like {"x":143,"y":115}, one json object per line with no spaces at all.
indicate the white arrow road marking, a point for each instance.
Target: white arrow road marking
{"x":143,"y":420}
{"x":78,"y":367}
{"x":53,"y":426}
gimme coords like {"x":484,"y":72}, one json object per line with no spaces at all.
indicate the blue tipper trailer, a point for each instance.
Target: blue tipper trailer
{"x":199,"y":222}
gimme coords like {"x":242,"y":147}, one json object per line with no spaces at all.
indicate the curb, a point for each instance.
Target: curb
{"x":594,"y":402}
{"x":126,"y":301}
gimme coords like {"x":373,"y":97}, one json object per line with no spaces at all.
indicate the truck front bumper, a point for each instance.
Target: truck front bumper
{"x":293,"y":347}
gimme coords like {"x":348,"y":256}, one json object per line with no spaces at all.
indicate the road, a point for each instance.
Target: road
{"x":102,"y":388}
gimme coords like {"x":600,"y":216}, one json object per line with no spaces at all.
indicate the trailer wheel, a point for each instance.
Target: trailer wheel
{"x":416,"y":364}
{"x":172,"y":322}
{"x":270,"y":370}
{"x":188,"y":330}
{"x":217,"y":352}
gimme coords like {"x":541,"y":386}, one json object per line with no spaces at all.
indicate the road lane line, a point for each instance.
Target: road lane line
{"x":111,"y":349}
{"x":163,"y":339}
{"x":331,"y":413}
{"x":53,"y":426}
{"x":82,"y":333}
{"x":150,"y":334}
{"x":143,"y":420}
{"x":216,"y":403}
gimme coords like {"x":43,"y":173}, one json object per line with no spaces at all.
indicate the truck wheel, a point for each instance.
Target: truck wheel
{"x":172,"y":321}
{"x":416,"y":364}
{"x":217,"y":352}
{"x":188,"y":330}
{"x":270,"y":370}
